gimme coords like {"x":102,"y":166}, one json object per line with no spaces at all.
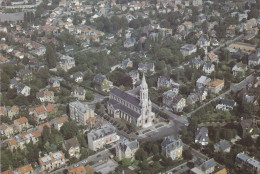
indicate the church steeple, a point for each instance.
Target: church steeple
{"x":143,"y":83}
{"x":143,"y":92}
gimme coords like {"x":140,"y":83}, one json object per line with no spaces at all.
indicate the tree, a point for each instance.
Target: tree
{"x":118,"y":77}
{"x":141,"y":154}
{"x":89,"y":95}
{"x":126,"y":162}
{"x":148,"y":147}
{"x":69,"y":129}
{"x":51,"y":56}
{"x":155,"y":149}
{"x":45,"y":134}
{"x":157,"y":166}
{"x":247,"y":141}
{"x":133,"y":127}
{"x":167,"y":161}
{"x":258,"y":141}
{"x":187,"y":154}
{"x":144,"y":165}
{"x":253,"y":13}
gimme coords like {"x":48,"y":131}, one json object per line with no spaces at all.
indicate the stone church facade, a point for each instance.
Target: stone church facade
{"x":132,"y":109}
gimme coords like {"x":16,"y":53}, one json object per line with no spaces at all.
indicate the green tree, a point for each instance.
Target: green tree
{"x":187,"y":154}
{"x":69,"y":129}
{"x":157,"y":166}
{"x":51,"y":56}
{"x":144,"y":165}
{"x":141,"y":154}
{"x":126,"y":162}
{"x":155,"y":149}
{"x":45,"y":134}
{"x":133,"y":127}
{"x":89,"y":95}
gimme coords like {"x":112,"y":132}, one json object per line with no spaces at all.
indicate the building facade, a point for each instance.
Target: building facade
{"x":80,"y":112}
{"x":127,"y":149}
{"x":52,"y":161}
{"x":172,"y":148}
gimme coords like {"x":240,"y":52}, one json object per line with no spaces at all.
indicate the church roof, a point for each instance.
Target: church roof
{"x":125,"y":96}
{"x":125,"y":109}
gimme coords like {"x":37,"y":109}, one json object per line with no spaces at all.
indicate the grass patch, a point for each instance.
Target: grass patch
{"x":160,"y":125}
{"x":146,"y":131}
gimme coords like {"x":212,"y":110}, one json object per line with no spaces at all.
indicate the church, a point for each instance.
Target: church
{"x":132,"y":109}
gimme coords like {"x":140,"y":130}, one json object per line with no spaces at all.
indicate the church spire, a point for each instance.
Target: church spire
{"x":143,"y":93}
{"x":143,"y":83}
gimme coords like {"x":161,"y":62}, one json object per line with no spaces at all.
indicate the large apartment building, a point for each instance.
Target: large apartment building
{"x":80,"y":112}
{"x":107,"y":134}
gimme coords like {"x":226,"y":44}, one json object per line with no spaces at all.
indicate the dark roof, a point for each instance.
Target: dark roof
{"x":208,"y":65}
{"x":253,"y":57}
{"x":177,"y":99}
{"x":73,"y":142}
{"x":246,"y":124}
{"x":222,"y":145}
{"x":20,"y":86}
{"x":123,"y":108}
{"x":208,"y":164}
{"x":77,"y":74}
{"x":227,"y":102}
{"x":131,"y":144}
{"x":202,"y":134}
{"x":99,"y":79}
{"x":13,"y":81}
{"x":80,"y":90}
{"x":171,"y":143}
{"x":125,"y":96}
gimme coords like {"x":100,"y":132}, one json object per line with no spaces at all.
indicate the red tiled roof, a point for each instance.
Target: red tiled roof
{"x":50,"y":107}
{"x":62,"y":119}
{"x":21,"y":120}
{"x":15,"y":109}
{"x":37,"y":133}
{"x":8,"y":172}
{"x":2,"y":109}
{"x":25,"y":169}
{"x":40,"y":110}
{"x":45,"y":124}
{"x":12,"y":142}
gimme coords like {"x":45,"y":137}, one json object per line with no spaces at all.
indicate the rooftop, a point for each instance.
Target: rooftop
{"x":105,"y":130}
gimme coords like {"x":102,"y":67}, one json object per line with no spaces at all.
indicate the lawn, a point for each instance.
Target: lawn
{"x":158,"y":126}
{"x":146,"y":131}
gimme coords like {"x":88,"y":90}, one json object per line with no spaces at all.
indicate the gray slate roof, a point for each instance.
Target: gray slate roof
{"x":125,"y":96}
{"x":227,"y":102}
{"x":222,"y":145}
{"x":201,"y":134}
{"x":123,"y":108}
{"x":208,"y":164}
{"x":73,"y":142}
